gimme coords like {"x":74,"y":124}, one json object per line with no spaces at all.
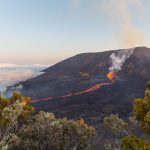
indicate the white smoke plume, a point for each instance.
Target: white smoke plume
{"x":119,"y":58}
{"x":11,"y":74}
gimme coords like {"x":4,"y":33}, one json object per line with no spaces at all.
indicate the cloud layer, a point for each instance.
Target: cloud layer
{"x":11,"y":74}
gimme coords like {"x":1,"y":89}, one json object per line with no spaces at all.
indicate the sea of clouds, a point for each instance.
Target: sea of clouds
{"x":11,"y":74}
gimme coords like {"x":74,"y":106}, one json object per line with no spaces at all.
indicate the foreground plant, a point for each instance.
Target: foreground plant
{"x":45,"y":132}
{"x":13,"y":111}
{"x":21,"y":130}
{"x":125,"y":137}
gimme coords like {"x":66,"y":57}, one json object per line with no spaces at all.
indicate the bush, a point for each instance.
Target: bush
{"x":10,"y":105}
{"x":141,"y":109}
{"x":19,"y":130}
{"x":129,"y":141}
{"x":45,"y":132}
{"x":134,"y":143}
{"x":13,"y":112}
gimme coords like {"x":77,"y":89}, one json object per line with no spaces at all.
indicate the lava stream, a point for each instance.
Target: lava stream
{"x":76,"y":93}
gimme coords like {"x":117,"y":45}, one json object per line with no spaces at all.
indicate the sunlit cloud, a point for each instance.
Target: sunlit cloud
{"x":11,"y":74}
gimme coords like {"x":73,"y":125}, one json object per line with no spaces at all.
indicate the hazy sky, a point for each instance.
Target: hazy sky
{"x":47,"y":31}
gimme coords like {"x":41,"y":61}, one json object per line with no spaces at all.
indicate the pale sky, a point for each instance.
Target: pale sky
{"x":48,"y":31}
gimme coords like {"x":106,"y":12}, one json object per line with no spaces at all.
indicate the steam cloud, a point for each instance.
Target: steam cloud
{"x":11,"y":74}
{"x":119,"y":59}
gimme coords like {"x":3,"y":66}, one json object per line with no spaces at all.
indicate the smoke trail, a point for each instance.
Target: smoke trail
{"x":121,"y":13}
{"x":119,"y":58}
{"x":75,"y":3}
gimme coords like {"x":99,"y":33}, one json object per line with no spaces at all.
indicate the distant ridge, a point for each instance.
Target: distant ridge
{"x":83,"y":71}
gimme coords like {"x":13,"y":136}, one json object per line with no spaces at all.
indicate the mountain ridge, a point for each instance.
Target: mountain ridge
{"x":83,"y":71}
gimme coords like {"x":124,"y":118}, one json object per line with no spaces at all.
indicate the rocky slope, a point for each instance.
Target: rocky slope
{"x":83,"y":71}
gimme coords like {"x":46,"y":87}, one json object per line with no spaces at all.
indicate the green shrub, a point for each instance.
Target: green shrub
{"x":45,"y":132}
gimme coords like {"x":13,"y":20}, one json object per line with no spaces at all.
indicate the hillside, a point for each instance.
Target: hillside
{"x":84,"y":71}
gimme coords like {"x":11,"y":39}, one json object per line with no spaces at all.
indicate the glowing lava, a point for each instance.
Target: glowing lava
{"x":111,"y":76}
{"x":73,"y":94}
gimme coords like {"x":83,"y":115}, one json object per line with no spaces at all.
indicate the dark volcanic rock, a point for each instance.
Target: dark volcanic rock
{"x":83,"y":71}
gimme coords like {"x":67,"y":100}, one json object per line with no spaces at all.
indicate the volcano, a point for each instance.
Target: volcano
{"x":86,"y":70}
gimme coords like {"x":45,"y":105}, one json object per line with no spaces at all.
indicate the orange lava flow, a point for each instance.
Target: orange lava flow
{"x":111,"y":76}
{"x":73,"y":94}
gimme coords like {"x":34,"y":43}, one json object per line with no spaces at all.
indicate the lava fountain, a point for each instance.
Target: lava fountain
{"x":111,"y":76}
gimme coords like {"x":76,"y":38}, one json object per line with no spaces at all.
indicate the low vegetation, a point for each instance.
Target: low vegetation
{"x":133,"y":134}
{"x":21,"y":130}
